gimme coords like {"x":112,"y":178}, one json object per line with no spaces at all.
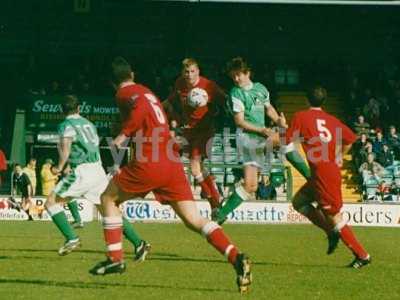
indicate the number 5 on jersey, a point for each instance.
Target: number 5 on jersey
{"x":324,"y":133}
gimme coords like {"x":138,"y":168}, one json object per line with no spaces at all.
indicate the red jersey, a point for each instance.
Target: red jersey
{"x":200,"y":118}
{"x":143,"y":118}
{"x":156,"y":170}
{"x":321,"y":135}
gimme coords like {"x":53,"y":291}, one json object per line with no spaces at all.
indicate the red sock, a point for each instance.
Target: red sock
{"x":348,"y":237}
{"x":215,"y":196}
{"x":3,"y":205}
{"x":204,"y":186}
{"x":217,"y":238}
{"x":113,"y":237}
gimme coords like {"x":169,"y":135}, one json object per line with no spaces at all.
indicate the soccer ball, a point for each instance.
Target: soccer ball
{"x":197,"y":97}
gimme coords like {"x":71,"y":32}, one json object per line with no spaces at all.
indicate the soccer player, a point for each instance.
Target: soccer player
{"x":324,"y":138}
{"x":198,"y":120}
{"x":79,"y":147}
{"x":250,"y":104}
{"x":155,"y":168}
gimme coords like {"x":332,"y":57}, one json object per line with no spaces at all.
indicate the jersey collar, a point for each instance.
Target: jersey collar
{"x":315,"y":108}
{"x":249,"y":86}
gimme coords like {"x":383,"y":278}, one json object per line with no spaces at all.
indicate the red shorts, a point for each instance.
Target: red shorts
{"x":329,"y":198}
{"x":199,"y":143}
{"x":167,"y":180}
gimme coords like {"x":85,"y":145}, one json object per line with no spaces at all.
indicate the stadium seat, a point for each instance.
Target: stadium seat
{"x":371,"y":189}
{"x":277,"y":176}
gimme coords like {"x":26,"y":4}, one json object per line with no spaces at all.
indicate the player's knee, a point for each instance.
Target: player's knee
{"x":50,"y":201}
{"x":195,"y":223}
{"x":105,"y":199}
{"x":300,"y":206}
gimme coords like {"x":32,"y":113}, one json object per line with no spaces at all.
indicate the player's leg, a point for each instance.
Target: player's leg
{"x":113,"y":224}
{"x":242,"y":192}
{"x":97,"y":187}
{"x":302,"y":204}
{"x":26,"y":204}
{"x":198,"y":150}
{"x":214,"y":234}
{"x":54,"y":208}
{"x":74,"y":209}
{"x":347,"y":236}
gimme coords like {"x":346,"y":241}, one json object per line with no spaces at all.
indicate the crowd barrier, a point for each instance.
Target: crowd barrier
{"x":258,"y":212}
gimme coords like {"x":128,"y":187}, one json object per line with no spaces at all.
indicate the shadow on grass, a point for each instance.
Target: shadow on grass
{"x":5,"y":257}
{"x":88,"y":251}
{"x":168,"y":257}
{"x":100,"y":285}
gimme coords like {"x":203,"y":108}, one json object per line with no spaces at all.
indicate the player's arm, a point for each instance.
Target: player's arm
{"x":291,"y":153}
{"x":279,"y":120}
{"x":64,"y":150}
{"x":30,"y":190}
{"x":247,"y":126}
{"x":120,"y":140}
{"x":348,"y":139}
{"x":133,"y":123}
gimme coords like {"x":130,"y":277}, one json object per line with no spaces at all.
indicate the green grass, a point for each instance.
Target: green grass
{"x":289,"y":262}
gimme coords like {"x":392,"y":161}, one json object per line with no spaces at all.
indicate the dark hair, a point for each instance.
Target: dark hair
{"x":121,"y":69}
{"x":237,"y":64}
{"x":316,"y":96}
{"x":70,"y":104}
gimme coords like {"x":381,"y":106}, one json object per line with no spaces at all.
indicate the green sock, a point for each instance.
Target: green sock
{"x":60,"y":219}
{"x":233,"y":201}
{"x":130,"y":233}
{"x":73,"y":208}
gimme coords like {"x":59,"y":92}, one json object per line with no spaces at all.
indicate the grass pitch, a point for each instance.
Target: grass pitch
{"x":289,"y":262}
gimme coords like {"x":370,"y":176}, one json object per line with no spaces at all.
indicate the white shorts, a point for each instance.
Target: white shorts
{"x":87,"y":180}
{"x":251,"y":150}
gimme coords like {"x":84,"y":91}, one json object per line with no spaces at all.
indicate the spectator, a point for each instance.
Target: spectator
{"x":371,"y":109}
{"x":365,"y":151}
{"x":360,"y":126}
{"x":393,"y":141}
{"x":356,"y":149}
{"x":30,"y":170}
{"x":386,"y":157}
{"x":3,"y":165}
{"x":49,"y":180}
{"x":54,"y":88}
{"x":371,"y":168}
{"x":22,"y":186}
{"x":266,"y":190}
{"x":377,"y":145}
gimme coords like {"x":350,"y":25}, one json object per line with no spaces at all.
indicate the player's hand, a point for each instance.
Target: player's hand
{"x":265,"y":132}
{"x":113,"y":170}
{"x":119,"y":140}
{"x":55,"y":170}
{"x":339,"y":162}
{"x":281,"y":122}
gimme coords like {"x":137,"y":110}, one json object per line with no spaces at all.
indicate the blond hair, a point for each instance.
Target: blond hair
{"x":187,"y":62}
